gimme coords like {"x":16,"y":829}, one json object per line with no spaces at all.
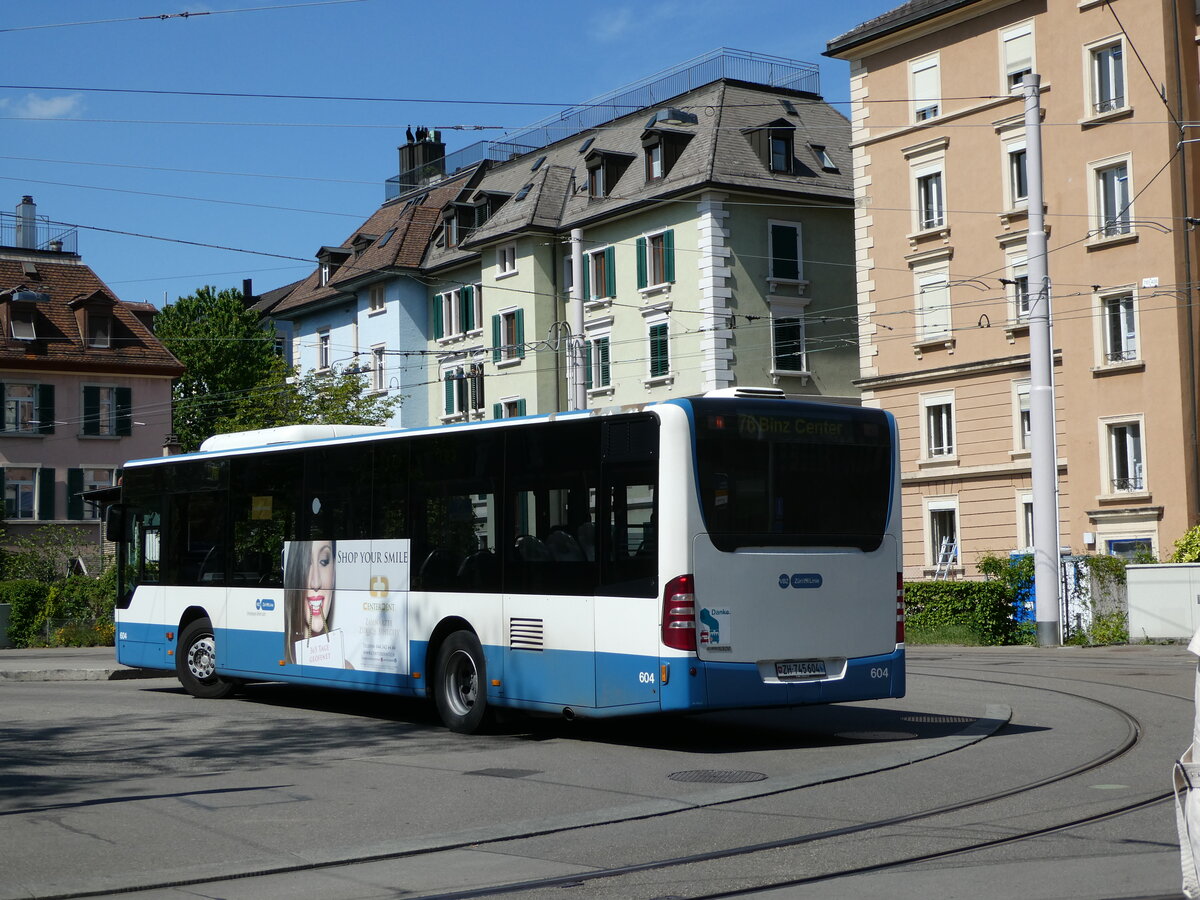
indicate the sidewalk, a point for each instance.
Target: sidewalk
{"x":69,"y":664}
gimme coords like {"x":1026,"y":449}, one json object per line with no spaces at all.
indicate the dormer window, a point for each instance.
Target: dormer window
{"x":330,"y":259}
{"x":460,"y":219}
{"x":99,"y":330}
{"x":662,"y":150}
{"x":23,"y":328}
{"x":605,"y":169}
{"x":823,"y":158}
{"x":774,"y":143}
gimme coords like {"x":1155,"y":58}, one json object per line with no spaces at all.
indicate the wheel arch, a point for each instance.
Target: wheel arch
{"x":190,"y":615}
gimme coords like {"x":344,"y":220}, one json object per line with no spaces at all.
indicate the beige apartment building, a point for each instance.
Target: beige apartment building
{"x":941,"y":187}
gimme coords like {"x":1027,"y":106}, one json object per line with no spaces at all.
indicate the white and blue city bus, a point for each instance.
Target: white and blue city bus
{"x":719,"y":552}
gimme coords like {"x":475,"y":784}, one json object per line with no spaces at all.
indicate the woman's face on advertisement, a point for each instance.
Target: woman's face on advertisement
{"x":318,"y":595}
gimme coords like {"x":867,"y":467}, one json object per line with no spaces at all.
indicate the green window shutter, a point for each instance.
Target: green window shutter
{"x":610,"y":272}
{"x":45,"y":401}
{"x":603,"y":375}
{"x":669,"y":255}
{"x":586,"y":293}
{"x":520,"y":333}
{"x":467,"y":299}
{"x":124,"y":401}
{"x":641,"y":263}
{"x":587,"y":357}
{"x":785,"y":258}
{"x":449,"y":394}
{"x":497,"y":410}
{"x":74,"y":486}
{"x":659,"y":359}
{"x":497,"y":352}
{"x":91,"y":410}
{"x":520,"y":407}
{"x":45,"y":490}
{"x":438,"y":328}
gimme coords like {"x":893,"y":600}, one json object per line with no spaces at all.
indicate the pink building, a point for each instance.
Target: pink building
{"x":86,"y":385}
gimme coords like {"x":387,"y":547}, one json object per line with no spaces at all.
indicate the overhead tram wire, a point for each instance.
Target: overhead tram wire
{"x":180,"y":15}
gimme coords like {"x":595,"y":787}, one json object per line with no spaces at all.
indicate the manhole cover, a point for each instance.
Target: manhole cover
{"x":939,"y":720}
{"x":717,"y":776}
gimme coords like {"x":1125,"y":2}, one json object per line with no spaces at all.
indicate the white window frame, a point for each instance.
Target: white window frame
{"x":772,"y":224}
{"x":1017,"y":54}
{"x":656,"y":274}
{"x":506,"y":261}
{"x":931,"y":288}
{"x":934,"y":505}
{"x":13,"y":405}
{"x":1123,"y":443}
{"x":376,"y":299}
{"x":926,"y":159}
{"x":510,"y":350}
{"x":324,"y":356}
{"x":783,"y":310}
{"x":1014,"y":150}
{"x":326,"y":272}
{"x":1025,"y":523}
{"x":1022,"y":419}
{"x":920,"y":84}
{"x":597,"y":287}
{"x":97,"y":337}
{"x":509,"y":408}
{"x":32,"y":485}
{"x":463,"y":374}
{"x":939,"y":444}
{"x":1107,"y":78}
{"x":1018,"y":289}
{"x":1112,"y":198}
{"x":599,"y":386}
{"x":1120,"y":344}
{"x":91,"y":509}
{"x":929,"y":188}
{"x":22,"y":321}
{"x":652,"y":322}
{"x":379,"y":368}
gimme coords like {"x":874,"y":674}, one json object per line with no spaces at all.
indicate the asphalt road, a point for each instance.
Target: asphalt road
{"x":1006,"y":772}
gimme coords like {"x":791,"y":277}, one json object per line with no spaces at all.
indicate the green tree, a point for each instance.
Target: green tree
{"x":228,"y":357}
{"x":235,"y":380}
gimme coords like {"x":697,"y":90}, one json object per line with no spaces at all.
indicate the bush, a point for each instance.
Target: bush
{"x":27,"y":598}
{"x":984,"y":607}
{"x":1187,"y":548}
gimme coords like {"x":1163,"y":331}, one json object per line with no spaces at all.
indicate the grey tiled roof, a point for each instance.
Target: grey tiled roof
{"x":719,"y":155}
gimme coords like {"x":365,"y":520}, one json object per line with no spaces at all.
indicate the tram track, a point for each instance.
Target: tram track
{"x":1133,"y":732}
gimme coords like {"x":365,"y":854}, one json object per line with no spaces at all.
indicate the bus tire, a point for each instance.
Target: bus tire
{"x":460,"y":686}
{"x":196,"y":662}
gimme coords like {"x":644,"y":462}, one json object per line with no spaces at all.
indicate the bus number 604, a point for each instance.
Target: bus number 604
{"x":646,"y":677}
{"x":879,"y":672}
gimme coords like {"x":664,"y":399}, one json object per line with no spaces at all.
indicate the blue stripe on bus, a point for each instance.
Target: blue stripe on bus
{"x":593,"y":684}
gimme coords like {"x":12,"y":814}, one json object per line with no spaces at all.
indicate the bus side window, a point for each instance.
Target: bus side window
{"x":629,"y":532}
{"x":195,"y":551}
{"x":263,"y":492}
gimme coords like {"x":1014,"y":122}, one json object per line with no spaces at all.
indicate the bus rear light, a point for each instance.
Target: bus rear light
{"x":679,"y":613}
{"x":899,"y":607}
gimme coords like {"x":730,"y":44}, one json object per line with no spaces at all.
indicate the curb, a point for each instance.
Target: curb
{"x":122,"y":674}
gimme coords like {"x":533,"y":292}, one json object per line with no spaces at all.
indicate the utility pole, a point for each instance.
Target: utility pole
{"x":576,"y":365}
{"x":1044,"y":450}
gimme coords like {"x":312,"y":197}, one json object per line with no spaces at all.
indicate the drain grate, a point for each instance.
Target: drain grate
{"x":939,"y":720}
{"x":717,"y":776}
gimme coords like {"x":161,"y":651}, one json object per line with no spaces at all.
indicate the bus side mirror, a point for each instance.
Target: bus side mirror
{"x":114,"y":523}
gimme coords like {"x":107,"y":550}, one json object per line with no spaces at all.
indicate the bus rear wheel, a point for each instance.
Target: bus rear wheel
{"x":196,"y":662}
{"x":460,"y":687}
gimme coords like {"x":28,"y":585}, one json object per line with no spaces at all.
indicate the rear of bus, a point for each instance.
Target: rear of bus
{"x":793,"y":593}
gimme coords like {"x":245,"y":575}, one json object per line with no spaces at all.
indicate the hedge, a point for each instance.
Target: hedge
{"x":28,"y":599}
{"x":983,"y":606}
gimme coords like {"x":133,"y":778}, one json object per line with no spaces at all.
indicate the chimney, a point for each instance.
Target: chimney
{"x":27,"y":223}
{"x":422,"y":159}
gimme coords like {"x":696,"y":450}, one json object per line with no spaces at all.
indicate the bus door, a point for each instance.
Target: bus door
{"x":141,"y":629}
{"x":550,"y":566}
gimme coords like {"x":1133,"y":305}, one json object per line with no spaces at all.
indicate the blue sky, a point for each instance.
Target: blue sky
{"x":286,"y":176}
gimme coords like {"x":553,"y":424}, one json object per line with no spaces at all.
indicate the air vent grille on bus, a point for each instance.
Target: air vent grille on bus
{"x":631,"y":439}
{"x":526,"y":634}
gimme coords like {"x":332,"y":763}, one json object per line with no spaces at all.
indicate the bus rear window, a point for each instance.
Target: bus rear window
{"x":784,"y":474}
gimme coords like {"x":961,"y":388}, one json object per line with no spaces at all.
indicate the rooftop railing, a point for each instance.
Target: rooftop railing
{"x":738,"y":65}
{"x":37,"y":234}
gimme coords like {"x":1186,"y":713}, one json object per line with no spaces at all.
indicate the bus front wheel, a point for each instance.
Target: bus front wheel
{"x":460,"y":690}
{"x":196,"y":662}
